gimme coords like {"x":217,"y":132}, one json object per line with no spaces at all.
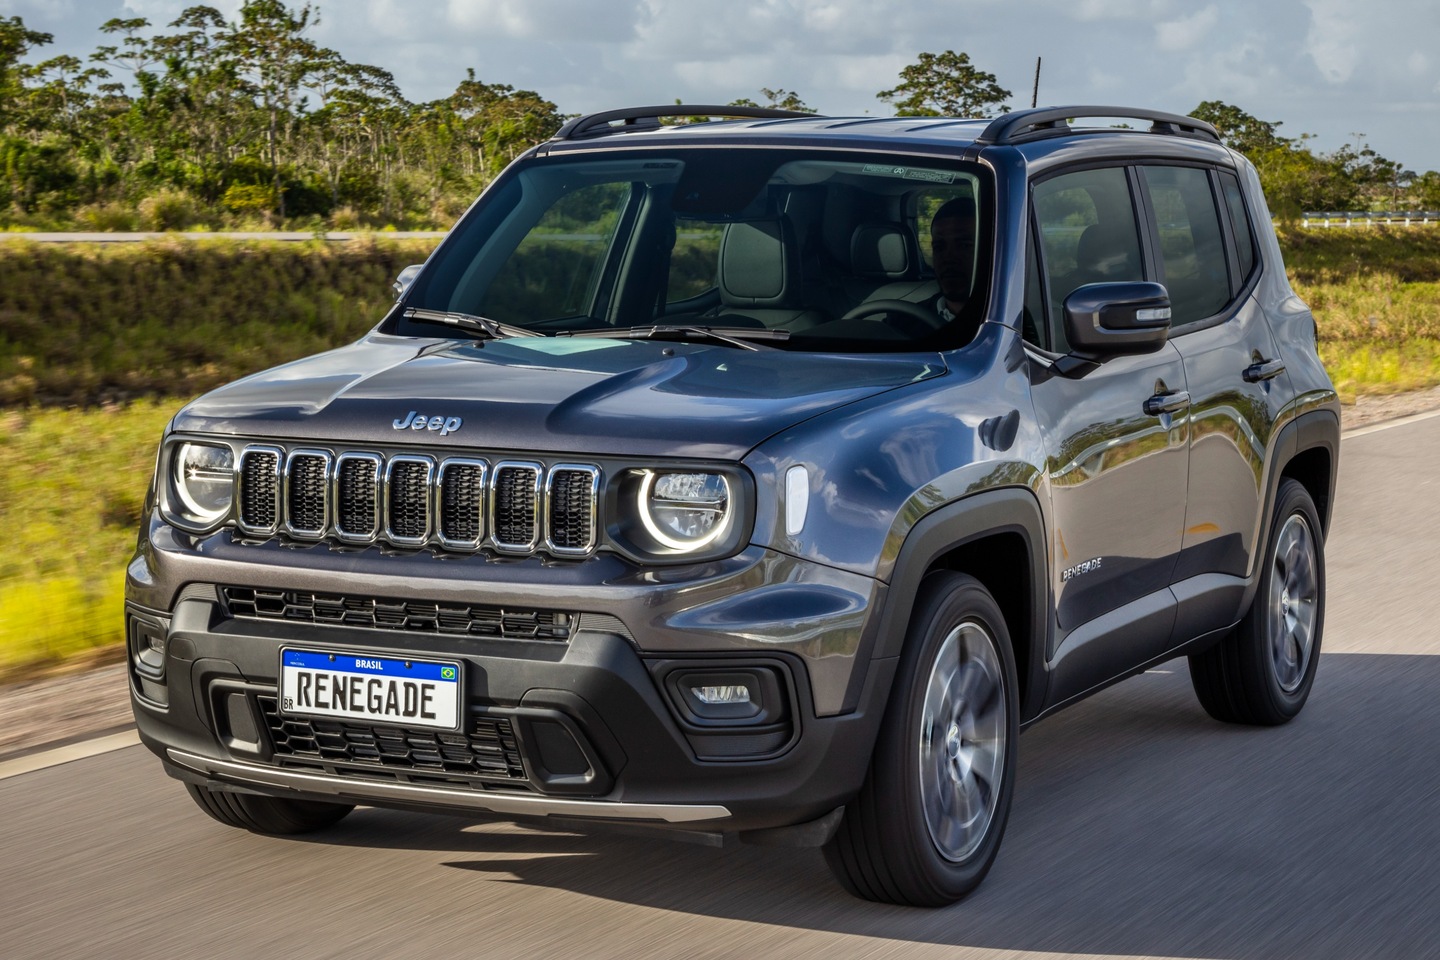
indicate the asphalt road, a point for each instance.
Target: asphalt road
{"x":1140,"y":828}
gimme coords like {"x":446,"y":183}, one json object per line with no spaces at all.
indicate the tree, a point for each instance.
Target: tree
{"x":945,"y":85}
{"x":1239,"y":130}
{"x":779,"y":99}
{"x":271,"y":53}
{"x":1425,"y":190}
{"x":1296,"y":180}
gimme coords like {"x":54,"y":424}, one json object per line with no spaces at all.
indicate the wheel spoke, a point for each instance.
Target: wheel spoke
{"x":1291,"y":611}
{"x":962,"y":748}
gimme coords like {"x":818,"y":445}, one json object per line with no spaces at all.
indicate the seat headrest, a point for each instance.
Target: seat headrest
{"x":756,"y":263}
{"x":881,"y":250}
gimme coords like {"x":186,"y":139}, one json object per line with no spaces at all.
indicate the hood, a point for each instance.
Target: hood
{"x":549,"y":395}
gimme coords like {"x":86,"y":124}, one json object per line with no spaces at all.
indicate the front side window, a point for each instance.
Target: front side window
{"x":555,"y":270}
{"x":1087,"y":230}
{"x":798,"y":245}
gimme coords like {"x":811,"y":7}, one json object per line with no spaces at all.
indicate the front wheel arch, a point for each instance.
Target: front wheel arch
{"x":998,"y":537}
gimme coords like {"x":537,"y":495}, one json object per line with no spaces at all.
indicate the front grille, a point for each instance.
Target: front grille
{"x":462,"y":503}
{"x":407,"y":505}
{"x":259,"y":490}
{"x":408,"y":500}
{"x":571,"y":508}
{"x":306,"y":490}
{"x":516,"y":498}
{"x":488,"y":750}
{"x":357,"y":479}
{"x":411,"y":616}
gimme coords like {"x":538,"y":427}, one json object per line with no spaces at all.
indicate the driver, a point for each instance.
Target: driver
{"x":952,"y":245}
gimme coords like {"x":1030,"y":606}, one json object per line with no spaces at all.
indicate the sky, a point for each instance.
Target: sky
{"x":1343,"y":71}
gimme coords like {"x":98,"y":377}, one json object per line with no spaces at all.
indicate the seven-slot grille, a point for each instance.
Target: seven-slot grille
{"x":411,"y":500}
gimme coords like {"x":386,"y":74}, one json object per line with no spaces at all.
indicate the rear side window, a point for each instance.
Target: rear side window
{"x":1192,"y":248}
{"x":1086,"y":222}
{"x":1244,"y":239}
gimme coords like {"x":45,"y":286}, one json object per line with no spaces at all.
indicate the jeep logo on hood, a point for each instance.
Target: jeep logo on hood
{"x":419,"y":421}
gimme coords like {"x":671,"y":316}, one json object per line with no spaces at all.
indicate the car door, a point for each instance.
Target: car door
{"x":1117,"y":467}
{"x":1206,"y":259}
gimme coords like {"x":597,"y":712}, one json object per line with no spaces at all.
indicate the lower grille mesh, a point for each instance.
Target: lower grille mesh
{"x":414,"y":616}
{"x":488,"y":751}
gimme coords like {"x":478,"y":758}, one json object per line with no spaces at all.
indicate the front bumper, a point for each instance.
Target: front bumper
{"x":586,"y":727}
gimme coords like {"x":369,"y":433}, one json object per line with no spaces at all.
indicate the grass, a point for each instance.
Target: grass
{"x":72,"y":484}
{"x":99,"y":345}
{"x":89,"y":323}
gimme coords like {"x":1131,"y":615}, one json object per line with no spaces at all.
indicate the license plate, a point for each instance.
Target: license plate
{"x":358,"y":686}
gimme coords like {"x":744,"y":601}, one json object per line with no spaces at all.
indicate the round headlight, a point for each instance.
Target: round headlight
{"x":203,"y":482}
{"x":685,"y":511}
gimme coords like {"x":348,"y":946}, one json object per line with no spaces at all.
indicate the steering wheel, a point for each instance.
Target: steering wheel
{"x":928,"y":319}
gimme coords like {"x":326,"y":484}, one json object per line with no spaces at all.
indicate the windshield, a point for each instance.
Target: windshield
{"x":790,"y":249}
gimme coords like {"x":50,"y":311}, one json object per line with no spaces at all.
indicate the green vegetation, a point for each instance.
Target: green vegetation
{"x":72,"y":484}
{"x":1376,"y":294}
{"x":89,"y":323}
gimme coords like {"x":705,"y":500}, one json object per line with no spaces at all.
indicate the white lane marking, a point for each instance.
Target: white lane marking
{"x":67,"y":753}
{"x":1399,"y":422}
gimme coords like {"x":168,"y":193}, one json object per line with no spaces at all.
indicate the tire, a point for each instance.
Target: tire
{"x":269,"y":815}
{"x":1261,"y":673}
{"x":927,"y":823}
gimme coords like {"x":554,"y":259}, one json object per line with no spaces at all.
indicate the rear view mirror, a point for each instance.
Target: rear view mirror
{"x":406,"y":277}
{"x":1110,"y":319}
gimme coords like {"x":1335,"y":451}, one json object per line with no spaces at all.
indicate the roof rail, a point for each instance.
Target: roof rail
{"x":1023,"y":125}
{"x":597,"y":124}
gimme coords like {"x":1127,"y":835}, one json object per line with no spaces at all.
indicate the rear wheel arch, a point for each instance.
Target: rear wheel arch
{"x":1314,"y":469}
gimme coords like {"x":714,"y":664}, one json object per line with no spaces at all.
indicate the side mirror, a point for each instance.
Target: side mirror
{"x":1106,"y":320}
{"x":407,"y":277}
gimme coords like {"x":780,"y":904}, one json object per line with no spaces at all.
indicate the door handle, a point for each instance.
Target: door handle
{"x":1167,"y":403}
{"x":1264,"y":370}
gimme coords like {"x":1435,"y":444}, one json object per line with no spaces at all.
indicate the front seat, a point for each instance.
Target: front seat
{"x":759,"y":277}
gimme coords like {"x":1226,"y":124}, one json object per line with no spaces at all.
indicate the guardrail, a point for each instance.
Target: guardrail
{"x":1369,"y":218}
{"x":332,"y":235}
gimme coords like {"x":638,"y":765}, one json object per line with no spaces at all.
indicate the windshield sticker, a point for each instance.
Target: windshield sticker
{"x":910,"y":173}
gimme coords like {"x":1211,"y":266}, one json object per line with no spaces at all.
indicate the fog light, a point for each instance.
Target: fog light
{"x":729,"y":693}
{"x":147,"y":646}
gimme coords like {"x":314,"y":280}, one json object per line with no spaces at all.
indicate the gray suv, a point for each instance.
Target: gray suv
{"x":759,"y":477}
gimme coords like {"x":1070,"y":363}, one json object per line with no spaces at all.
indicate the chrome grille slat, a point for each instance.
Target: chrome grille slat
{"x":515,"y":507}
{"x":307,"y":494}
{"x":259,"y":496}
{"x":571,"y":492}
{"x":407,"y":500}
{"x":462,"y":503}
{"x":357,"y":497}
{"x":411,"y":500}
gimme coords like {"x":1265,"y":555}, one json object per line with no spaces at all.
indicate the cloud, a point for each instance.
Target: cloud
{"x":545,"y":20}
{"x":1332,"y":39}
{"x":1188,"y":31}
{"x":1092,"y":10}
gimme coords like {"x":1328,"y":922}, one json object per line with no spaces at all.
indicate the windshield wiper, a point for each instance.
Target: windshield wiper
{"x":494,"y":329}
{"x":730,"y":336}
